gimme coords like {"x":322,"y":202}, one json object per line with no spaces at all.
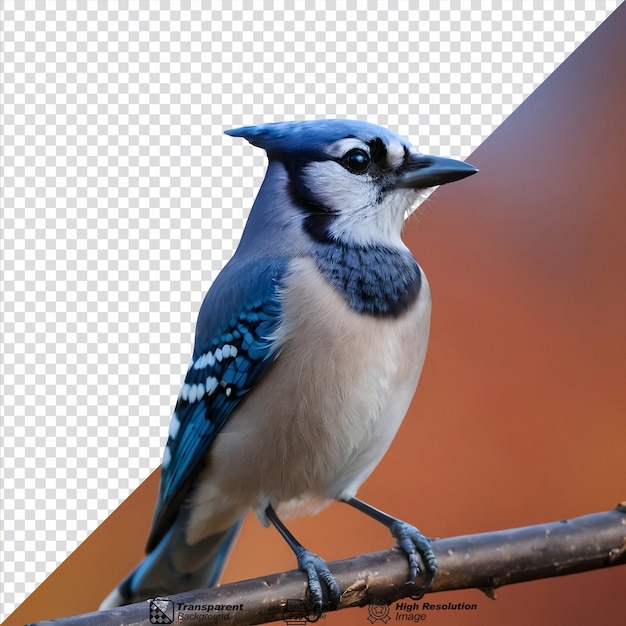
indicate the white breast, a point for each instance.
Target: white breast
{"x":325,"y":412}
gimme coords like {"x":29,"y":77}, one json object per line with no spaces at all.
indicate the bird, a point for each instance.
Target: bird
{"x":308,"y":349}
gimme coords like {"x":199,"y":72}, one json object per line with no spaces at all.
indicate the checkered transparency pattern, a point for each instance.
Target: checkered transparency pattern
{"x":122,"y":199}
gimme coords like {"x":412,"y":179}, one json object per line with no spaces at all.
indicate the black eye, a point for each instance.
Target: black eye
{"x":356,"y":161}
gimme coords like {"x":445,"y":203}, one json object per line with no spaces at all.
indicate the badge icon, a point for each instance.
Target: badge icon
{"x":378,"y":610}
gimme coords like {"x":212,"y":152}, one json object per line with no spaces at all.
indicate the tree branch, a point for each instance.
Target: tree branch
{"x":484,"y":561}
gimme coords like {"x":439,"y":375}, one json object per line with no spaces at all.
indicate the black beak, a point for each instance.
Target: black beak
{"x":421,"y":171}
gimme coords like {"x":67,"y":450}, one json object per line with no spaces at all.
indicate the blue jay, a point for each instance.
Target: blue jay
{"x":308,"y":349}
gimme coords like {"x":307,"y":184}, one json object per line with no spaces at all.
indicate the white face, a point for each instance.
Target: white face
{"x":365,"y":213}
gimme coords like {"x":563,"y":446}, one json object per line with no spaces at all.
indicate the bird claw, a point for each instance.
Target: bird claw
{"x":318,"y":576}
{"x":413,"y":543}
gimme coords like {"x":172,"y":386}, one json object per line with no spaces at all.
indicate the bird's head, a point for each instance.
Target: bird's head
{"x":351,"y":180}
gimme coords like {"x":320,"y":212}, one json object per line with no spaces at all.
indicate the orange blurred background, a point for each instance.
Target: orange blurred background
{"x":520,"y":416}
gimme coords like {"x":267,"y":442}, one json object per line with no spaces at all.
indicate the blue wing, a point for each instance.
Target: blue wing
{"x":240,"y":313}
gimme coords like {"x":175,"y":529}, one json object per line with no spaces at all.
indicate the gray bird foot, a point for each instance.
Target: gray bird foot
{"x":413,"y":543}
{"x":319,"y":576}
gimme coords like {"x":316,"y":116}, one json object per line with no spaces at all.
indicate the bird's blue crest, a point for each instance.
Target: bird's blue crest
{"x":309,"y":136}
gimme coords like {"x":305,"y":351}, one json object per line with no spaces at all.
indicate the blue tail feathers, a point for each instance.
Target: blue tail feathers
{"x":174,"y":566}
